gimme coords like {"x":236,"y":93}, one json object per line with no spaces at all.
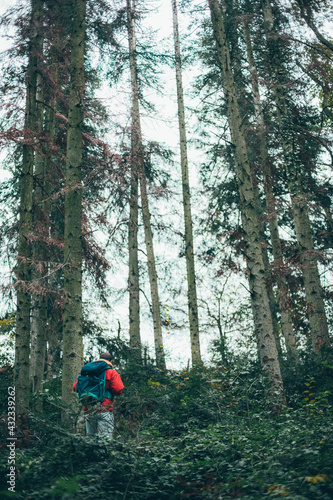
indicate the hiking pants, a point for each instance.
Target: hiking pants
{"x":100,"y":423}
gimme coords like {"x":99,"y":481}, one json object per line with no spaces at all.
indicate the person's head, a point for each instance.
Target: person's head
{"x":106,"y":356}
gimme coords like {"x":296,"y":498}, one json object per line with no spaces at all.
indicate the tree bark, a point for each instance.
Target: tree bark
{"x":269,"y":285}
{"x":133,"y":265}
{"x":54,"y":327}
{"x":39,"y":300}
{"x":308,"y":260}
{"x":22,"y":342}
{"x":137,"y":155}
{"x":189,"y":251}
{"x":133,"y":278}
{"x":253,"y":252}
{"x":72,"y":314}
{"x":133,"y":223}
{"x":283,"y":293}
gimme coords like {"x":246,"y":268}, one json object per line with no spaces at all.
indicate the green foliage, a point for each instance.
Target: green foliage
{"x":199,"y":433}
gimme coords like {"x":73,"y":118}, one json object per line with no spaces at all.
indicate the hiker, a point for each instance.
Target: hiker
{"x":99,"y":405}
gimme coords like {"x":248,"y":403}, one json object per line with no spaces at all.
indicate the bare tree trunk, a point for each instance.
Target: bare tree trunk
{"x":133,"y":223}
{"x":189,"y":252}
{"x":133,"y":267}
{"x":137,"y":153}
{"x":72,"y":316}
{"x":155,"y":301}
{"x":22,"y":344}
{"x":39,"y":309}
{"x":283,"y":293}
{"x":53,"y":331}
{"x":269,"y":286}
{"x":256,"y":269}
{"x":294,"y":167}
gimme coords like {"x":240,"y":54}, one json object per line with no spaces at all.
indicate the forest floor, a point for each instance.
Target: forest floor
{"x":203,"y":433}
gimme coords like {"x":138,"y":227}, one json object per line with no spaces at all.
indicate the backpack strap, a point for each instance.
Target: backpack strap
{"x":108,"y":394}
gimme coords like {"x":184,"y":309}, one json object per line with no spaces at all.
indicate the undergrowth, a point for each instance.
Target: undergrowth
{"x":202,"y":433}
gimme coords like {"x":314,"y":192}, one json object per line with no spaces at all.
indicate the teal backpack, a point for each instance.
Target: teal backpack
{"x":91,"y":383}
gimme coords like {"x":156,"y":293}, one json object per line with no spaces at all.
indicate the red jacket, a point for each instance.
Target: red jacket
{"x":113,"y":383}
